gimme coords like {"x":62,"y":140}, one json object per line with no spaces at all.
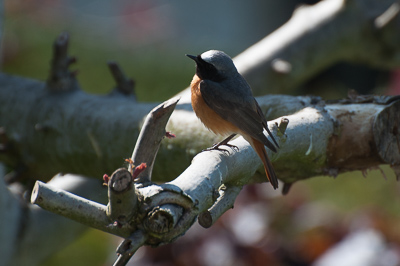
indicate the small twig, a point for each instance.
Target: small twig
{"x":149,"y":140}
{"x":122,"y":197}
{"x":124,"y":85}
{"x":224,"y":202}
{"x":76,"y":208}
{"x":129,"y":246}
{"x":396,"y":169}
{"x":60,"y":78}
{"x":286,"y":188}
{"x":282,"y":126}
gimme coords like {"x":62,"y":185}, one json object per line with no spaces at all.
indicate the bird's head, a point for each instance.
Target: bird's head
{"x":213,"y":65}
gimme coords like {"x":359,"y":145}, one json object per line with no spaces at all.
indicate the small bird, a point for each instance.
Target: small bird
{"x":223,"y":101}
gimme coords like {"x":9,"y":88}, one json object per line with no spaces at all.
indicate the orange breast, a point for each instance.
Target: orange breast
{"x":207,"y":116}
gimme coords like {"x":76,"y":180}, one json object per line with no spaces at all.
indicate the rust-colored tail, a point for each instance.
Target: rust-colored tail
{"x":262,"y":153}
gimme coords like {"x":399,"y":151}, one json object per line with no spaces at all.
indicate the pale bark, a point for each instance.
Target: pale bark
{"x":51,"y":128}
{"x":322,"y":139}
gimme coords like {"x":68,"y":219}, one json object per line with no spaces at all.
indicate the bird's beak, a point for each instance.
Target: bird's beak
{"x":193,"y":57}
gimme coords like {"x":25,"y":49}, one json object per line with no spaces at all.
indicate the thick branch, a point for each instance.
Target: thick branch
{"x":74,"y":130}
{"x":324,"y":139}
{"x":67,"y":132}
{"x":315,"y":137}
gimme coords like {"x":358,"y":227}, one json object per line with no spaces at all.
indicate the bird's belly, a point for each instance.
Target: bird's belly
{"x":209,"y":117}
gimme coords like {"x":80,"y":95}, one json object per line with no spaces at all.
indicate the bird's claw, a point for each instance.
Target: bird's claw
{"x":216,"y":147}
{"x":233,"y":147}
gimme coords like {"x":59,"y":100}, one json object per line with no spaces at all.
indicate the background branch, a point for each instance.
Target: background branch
{"x":38,"y":233}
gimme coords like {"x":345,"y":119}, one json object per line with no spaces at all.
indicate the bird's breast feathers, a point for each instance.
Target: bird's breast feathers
{"x":207,"y":116}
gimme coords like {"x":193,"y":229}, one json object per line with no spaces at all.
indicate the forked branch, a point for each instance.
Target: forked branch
{"x":138,"y":210}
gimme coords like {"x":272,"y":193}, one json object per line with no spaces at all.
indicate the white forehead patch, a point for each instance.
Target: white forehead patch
{"x":209,"y":55}
{"x":219,"y":59}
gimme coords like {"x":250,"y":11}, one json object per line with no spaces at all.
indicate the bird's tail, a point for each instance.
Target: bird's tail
{"x":262,"y":153}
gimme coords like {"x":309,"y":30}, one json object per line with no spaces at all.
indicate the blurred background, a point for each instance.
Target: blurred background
{"x":323,"y":221}
{"x":145,"y":37}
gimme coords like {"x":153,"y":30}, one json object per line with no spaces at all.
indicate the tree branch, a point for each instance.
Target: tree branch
{"x":122,"y":198}
{"x":50,"y":125}
{"x":124,"y":86}
{"x":74,"y":207}
{"x":150,"y":137}
{"x":225,"y":201}
{"x":37,"y":233}
{"x":315,"y":136}
{"x":60,"y":78}
{"x":70,"y":131}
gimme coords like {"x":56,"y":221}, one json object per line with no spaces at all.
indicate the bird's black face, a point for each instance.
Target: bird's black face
{"x":206,"y":70}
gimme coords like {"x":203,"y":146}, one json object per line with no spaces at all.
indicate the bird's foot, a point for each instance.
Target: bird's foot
{"x":216,"y":146}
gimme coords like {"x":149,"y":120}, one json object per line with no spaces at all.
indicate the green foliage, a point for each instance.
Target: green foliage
{"x":352,"y":191}
{"x":93,"y":248}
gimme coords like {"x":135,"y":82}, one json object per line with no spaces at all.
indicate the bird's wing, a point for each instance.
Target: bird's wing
{"x":264,"y":122}
{"x":238,"y":107}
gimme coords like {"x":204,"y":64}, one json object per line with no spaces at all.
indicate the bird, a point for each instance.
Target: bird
{"x":223,"y":101}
